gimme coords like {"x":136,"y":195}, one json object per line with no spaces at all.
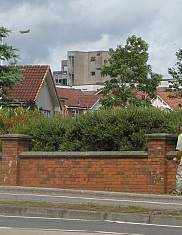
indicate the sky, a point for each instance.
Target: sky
{"x":59,"y":26}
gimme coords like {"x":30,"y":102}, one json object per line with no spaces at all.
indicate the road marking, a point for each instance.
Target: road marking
{"x":67,"y":231}
{"x":145,"y":224}
{"x":93,"y":198}
{"x":116,"y":233}
{"x":110,"y":221}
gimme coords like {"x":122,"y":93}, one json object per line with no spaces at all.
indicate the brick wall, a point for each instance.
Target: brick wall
{"x":124,"y":171}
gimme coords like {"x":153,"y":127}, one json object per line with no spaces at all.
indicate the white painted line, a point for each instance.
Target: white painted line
{"x":145,"y":224}
{"x":96,"y":199}
{"x":50,"y":218}
{"x":64,"y":230}
{"x":110,"y":221}
{"x":116,"y":233}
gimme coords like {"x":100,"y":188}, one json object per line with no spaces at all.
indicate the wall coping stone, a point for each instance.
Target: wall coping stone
{"x":160,"y":136}
{"x":77,"y":154}
{"x":15,"y":137}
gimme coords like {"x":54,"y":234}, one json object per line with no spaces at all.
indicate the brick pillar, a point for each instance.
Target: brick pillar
{"x":159,"y":144}
{"x":12,"y":146}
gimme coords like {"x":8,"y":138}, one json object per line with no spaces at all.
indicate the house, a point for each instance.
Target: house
{"x":75,"y":102}
{"x":36,"y":89}
{"x":167,"y":100}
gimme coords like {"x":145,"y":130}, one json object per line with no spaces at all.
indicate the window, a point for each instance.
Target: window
{"x":93,"y":73}
{"x":75,"y":112}
{"x":62,"y":81}
{"x":98,"y":53}
{"x":92,"y":58}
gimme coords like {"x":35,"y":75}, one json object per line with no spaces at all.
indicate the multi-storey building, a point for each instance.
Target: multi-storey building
{"x":85,"y":67}
{"x":82,"y":68}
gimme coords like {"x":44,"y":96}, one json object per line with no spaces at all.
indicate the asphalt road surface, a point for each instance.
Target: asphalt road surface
{"x":94,"y":197}
{"x":23,"y":225}
{"x":43,"y":226}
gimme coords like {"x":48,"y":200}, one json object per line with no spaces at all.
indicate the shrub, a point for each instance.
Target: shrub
{"x":92,"y":132}
{"x":105,"y":130}
{"x":12,"y":118}
{"x":47,"y":133}
{"x":114,"y":130}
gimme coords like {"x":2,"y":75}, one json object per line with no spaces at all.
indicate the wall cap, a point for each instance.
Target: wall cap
{"x":160,"y":136}
{"x":15,"y":137}
{"x":92,"y":154}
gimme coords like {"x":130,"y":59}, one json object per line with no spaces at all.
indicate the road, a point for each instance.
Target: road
{"x":16,"y":221}
{"x":93,"y":197}
{"x":53,"y":226}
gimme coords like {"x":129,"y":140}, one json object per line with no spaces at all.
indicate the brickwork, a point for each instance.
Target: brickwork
{"x":127,"y":171}
{"x":158,"y":147}
{"x":79,"y":172}
{"x":12,"y":146}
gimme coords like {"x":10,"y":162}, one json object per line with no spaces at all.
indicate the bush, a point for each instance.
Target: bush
{"x":106,"y":130}
{"x":92,"y":132}
{"x":12,"y":118}
{"x":114,"y":130}
{"x":47,"y":133}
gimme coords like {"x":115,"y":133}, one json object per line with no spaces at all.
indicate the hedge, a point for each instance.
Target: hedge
{"x":111,"y":130}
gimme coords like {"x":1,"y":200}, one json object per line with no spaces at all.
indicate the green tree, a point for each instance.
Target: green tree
{"x":9,"y":74}
{"x":129,"y":72}
{"x":176,"y":74}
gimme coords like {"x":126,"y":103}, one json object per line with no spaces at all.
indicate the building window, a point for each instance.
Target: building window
{"x":75,"y":112}
{"x":60,"y":78}
{"x":93,"y":73}
{"x":92,"y":58}
{"x":62,"y":82}
{"x":98,"y":53}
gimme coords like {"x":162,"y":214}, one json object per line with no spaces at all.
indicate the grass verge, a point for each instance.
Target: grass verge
{"x":92,"y":207}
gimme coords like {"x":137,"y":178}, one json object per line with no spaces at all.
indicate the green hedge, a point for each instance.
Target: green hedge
{"x":100,"y":130}
{"x":47,"y":133}
{"x":114,"y":130}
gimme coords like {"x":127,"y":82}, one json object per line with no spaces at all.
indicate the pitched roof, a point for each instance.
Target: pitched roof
{"x":169,"y":98}
{"x":29,"y":87}
{"x":77,"y":98}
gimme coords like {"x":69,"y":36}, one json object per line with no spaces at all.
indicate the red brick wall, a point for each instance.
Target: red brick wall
{"x":139,"y":171}
{"x":12,"y":146}
{"x":96,"y":173}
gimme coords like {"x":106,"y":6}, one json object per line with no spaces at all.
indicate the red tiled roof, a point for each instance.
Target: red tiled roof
{"x":168,"y":97}
{"x":77,"y":98}
{"x":29,"y":86}
{"x":87,"y":101}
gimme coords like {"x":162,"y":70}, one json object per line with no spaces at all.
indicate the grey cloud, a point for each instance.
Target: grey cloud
{"x":58,"y":25}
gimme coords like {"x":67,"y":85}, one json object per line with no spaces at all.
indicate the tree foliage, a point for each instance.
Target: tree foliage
{"x":9,"y":74}
{"x":128,"y":69}
{"x":176,"y":74}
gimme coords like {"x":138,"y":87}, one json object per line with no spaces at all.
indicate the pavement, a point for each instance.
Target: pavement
{"x":16,"y":193}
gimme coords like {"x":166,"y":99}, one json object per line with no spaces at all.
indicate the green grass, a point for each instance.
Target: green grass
{"x":92,"y":207}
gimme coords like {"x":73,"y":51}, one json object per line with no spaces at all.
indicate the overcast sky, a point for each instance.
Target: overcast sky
{"x":58,"y":26}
